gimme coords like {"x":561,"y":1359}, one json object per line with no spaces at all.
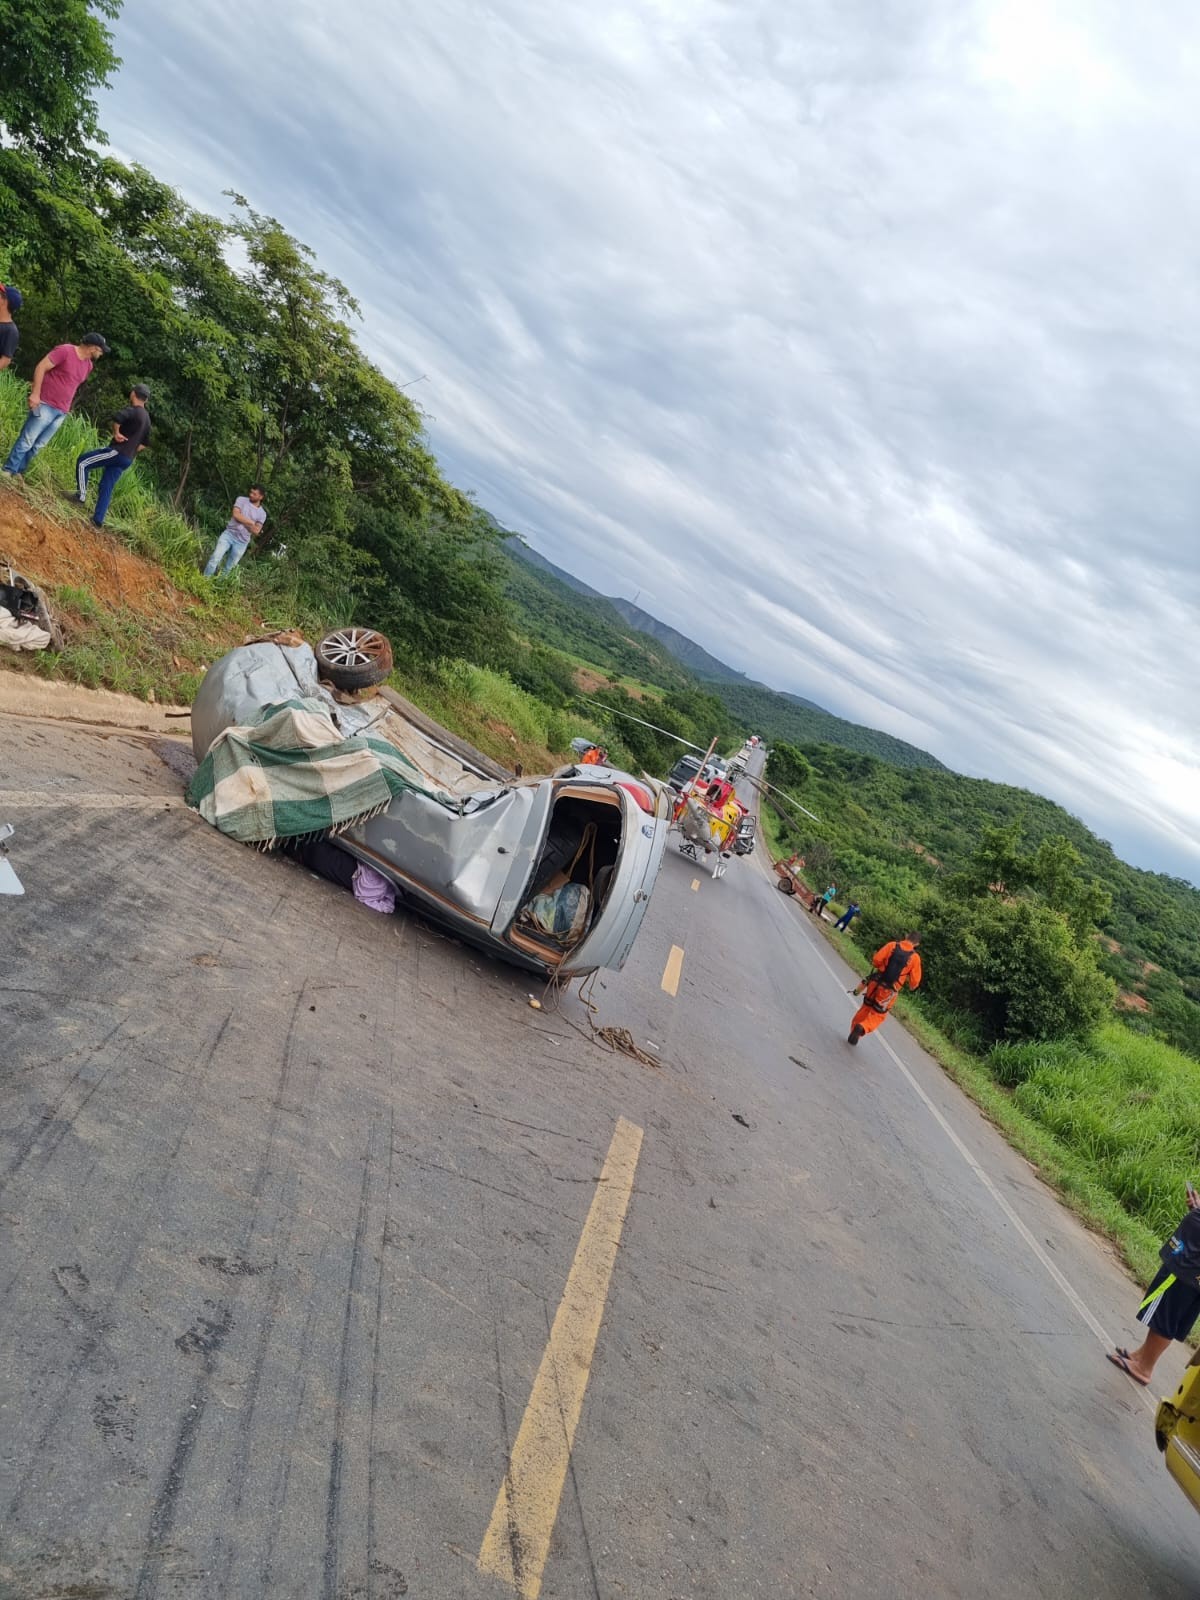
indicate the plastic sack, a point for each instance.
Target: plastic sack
{"x":561,"y":914}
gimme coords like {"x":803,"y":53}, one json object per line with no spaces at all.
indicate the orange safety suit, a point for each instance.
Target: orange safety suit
{"x":879,"y":996}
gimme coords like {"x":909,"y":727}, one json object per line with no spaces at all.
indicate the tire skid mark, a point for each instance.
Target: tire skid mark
{"x":48,"y":1117}
{"x":204,"y":1339}
{"x":372,"y":1561}
{"x":240,"y":1466}
{"x":283,"y":1471}
{"x":513,"y":1532}
{"x":337,"y":1448}
{"x":154,"y":1207}
{"x":166,"y":1504}
{"x":578,"y":1498}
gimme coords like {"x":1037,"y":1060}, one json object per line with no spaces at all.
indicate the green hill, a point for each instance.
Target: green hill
{"x":894,"y":834}
{"x":557,"y":610}
{"x":686,"y":651}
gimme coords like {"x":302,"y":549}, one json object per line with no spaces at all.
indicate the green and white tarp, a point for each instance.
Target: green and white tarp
{"x":291,"y":775}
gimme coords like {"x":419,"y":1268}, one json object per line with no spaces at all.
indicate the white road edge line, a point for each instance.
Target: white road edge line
{"x":1069,"y":1292}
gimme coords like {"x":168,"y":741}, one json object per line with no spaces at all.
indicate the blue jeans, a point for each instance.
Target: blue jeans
{"x":229,"y":547}
{"x":110,"y":463}
{"x":40,"y":427}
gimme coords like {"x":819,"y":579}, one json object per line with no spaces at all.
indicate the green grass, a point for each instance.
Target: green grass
{"x":495,"y":714}
{"x":137,"y":514}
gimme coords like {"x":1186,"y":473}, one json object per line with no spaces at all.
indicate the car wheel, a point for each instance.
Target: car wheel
{"x":354,"y":658}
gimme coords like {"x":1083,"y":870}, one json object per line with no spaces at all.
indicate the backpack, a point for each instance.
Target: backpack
{"x":897,"y":963}
{"x":23,"y":603}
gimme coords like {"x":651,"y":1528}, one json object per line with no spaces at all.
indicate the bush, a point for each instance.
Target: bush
{"x":881,"y":919}
{"x":1014,"y":968}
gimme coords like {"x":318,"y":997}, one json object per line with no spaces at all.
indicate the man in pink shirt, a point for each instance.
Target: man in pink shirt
{"x":55,"y":379}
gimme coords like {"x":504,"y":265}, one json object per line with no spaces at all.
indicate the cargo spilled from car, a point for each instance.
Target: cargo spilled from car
{"x":552,"y":872}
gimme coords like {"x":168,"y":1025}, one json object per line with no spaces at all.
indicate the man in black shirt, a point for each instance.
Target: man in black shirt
{"x":10,"y":335}
{"x":131,"y":430}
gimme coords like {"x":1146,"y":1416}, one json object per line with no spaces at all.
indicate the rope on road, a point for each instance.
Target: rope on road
{"x":610,"y":1036}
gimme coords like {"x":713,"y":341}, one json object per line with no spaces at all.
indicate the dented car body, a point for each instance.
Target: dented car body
{"x":469,"y":849}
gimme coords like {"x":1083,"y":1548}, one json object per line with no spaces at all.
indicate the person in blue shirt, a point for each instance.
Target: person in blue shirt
{"x":848,"y":916}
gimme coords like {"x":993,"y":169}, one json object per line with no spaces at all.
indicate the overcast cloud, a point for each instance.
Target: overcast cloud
{"x":861,"y":340}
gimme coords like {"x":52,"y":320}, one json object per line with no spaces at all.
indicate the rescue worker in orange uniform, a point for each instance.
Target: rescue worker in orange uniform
{"x":897,"y":966}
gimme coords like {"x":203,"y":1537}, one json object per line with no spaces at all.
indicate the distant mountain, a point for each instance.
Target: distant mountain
{"x":693,"y":655}
{"x":786,"y":716}
{"x":516,"y":546}
{"x":560,"y":611}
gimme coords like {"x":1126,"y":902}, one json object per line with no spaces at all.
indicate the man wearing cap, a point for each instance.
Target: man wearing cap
{"x":10,"y":335}
{"x":131,"y":431}
{"x":56,"y":378}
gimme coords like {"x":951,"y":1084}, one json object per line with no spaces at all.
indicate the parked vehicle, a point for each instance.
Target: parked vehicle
{"x":744,"y":842}
{"x":469,"y":850}
{"x":687,"y":770}
{"x":1177,"y":1431}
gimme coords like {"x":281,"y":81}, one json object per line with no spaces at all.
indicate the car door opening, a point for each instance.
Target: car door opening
{"x":569,"y":885}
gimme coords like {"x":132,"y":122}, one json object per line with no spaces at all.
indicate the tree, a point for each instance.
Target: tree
{"x":57,"y":53}
{"x":1014,"y":968}
{"x":996,"y":864}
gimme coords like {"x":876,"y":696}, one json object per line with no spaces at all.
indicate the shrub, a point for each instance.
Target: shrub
{"x":1014,"y":968}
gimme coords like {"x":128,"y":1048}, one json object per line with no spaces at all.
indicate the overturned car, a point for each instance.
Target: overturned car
{"x":553,"y":873}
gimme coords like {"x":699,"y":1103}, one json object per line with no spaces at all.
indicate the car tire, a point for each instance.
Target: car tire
{"x":354,"y":658}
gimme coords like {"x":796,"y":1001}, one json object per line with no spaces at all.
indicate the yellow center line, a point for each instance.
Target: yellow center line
{"x":695,"y":884}
{"x":670,"y":977}
{"x":517,"y":1541}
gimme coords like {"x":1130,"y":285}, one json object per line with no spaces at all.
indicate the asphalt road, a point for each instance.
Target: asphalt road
{"x":296,"y":1199}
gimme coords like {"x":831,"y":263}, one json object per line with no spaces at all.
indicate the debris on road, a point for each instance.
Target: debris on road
{"x":9,"y":882}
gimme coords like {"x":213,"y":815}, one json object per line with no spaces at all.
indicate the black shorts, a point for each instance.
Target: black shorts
{"x":1170,"y":1307}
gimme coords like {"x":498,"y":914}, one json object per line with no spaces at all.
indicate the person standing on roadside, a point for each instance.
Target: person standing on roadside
{"x":897,"y":966}
{"x":10,"y":335}
{"x":1172,"y":1301}
{"x":131,"y":432}
{"x":56,"y":379}
{"x":820,"y":901}
{"x":847,"y":917}
{"x":245,"y":523}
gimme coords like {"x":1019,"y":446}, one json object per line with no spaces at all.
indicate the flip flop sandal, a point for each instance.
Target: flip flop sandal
{"x":1118,"y":1359}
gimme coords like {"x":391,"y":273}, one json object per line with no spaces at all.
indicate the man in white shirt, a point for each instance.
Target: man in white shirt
{"x":244,"y":524}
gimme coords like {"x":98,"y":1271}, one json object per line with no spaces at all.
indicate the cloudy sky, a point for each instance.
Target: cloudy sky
{"x":861,"y":339}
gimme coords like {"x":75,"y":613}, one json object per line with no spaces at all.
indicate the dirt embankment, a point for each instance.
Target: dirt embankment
{"x":129,"y":629}
{"x":589,"y":680}
{"x":83,"y":557}
{"x":125,"y":625}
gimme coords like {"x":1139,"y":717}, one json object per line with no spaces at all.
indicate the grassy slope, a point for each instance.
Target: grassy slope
{"x":139,"y":616}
